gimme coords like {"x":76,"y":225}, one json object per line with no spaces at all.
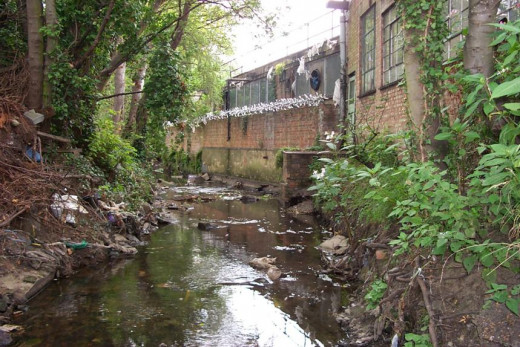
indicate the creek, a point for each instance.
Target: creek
{"x":191,"y":287}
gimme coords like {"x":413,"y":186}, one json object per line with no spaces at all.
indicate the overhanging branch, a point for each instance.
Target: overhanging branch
{"x":116,"y":95}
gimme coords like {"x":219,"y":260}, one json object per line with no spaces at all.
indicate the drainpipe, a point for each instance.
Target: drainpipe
{"x":228,"y":103}
{"x":343,"y":69}
{"x":344,"y":7}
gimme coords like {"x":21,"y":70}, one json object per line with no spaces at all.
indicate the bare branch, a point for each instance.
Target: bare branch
{"x":116,"y":95}
{"x":98,"y":36}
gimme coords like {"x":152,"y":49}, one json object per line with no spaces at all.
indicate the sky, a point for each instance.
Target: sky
{"x":305,"y":22}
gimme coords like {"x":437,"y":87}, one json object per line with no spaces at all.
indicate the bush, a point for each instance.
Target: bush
{"x":180,"y":162}
{"x":279,"y":155}
{"x":127,"y":178}
{"x":108,"y":150}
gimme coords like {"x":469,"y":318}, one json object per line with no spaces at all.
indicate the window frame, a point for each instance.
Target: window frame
{"x":509,"y":6}
{"x":460,"y":13}
{"x":393,"y":65}
{"x":368,"y":53}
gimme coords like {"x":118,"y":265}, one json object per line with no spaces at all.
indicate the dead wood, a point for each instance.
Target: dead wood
{"x":54,"y":137}
{"x":427,"y":303}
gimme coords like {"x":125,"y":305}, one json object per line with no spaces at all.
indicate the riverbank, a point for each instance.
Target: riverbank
{"x":31,"y":257}
{"x":54,"y":222}
{"x":426,"y":300}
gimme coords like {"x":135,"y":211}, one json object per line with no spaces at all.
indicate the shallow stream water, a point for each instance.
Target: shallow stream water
{"x":190,"y":287}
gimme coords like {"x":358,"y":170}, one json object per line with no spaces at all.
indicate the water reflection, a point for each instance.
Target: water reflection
{"x":195,"y":288}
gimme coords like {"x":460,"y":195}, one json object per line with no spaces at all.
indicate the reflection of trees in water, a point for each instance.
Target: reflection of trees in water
{"x":157,"y":301}
{"x":69,"y":309}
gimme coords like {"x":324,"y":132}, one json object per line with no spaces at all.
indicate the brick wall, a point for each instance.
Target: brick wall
{"x":296,"y":172}
{"x":271,"y":131}
{"x":254,"y":140}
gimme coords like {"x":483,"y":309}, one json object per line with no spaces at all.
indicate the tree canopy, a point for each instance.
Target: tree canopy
{"x":75,"y":50}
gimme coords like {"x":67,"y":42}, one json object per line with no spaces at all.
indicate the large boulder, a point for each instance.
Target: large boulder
{"x":338,"y":245}
{"x":262,"y":263}
{"x":305,"y":207}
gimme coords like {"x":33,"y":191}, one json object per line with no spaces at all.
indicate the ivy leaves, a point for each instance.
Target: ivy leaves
{"x":166,"y":95}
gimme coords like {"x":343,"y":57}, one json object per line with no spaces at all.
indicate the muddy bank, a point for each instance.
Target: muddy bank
{"x":32,"y":256}
{"x":401,"y":299}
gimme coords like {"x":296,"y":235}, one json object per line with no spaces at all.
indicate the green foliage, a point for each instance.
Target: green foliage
{"x":201,"y":53}
{"x":498,"y":174}
{"x":73,"y":102}
{"x":131,"y":185}
{"x":12,"y":37}
{"x":377,"y":148}
{"x":110,"y":163}
{"x":375,"y":294}
{"x":360,"y":191}
{"x":166,"y":97}
{"x":278,"y":159}
{"x":351,"y":189}
{"x":510,"y":297}
{"x":278,"y":69}
{"x":108,"y":150}
{"x":127,"y":179}
{"x":179,"y":162}
{"x":414,"y":340}
{"x":433,"y":212}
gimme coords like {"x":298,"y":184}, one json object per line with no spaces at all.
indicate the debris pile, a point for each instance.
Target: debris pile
{"x":52,"y":220}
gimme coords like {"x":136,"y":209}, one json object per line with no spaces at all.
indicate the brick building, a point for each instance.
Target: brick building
{"x":375,"y":67}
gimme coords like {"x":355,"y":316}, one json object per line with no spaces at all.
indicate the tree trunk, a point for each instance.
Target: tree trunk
{"x":51,"y":21}
{"x":136,"y":88}
{"x":140,"y":127}
{"x":119,"y":101}
{"x":35,"y":55}
{"x":416,"y":96}
{"x":478,"y":54}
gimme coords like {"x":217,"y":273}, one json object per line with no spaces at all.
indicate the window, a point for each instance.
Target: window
{"x":368,"y":51}
{"x":509,"y":9}
{"x":456,"y":19}
{"x":232,"y":98}
{"x":263,"y":90}
{"x":240,"y":96}
{"x":302,"y":84}
{"x":247,"y":94}
{"x":351,"y":101}
{"x":393,"y":51}
{"x":255,"y":92}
